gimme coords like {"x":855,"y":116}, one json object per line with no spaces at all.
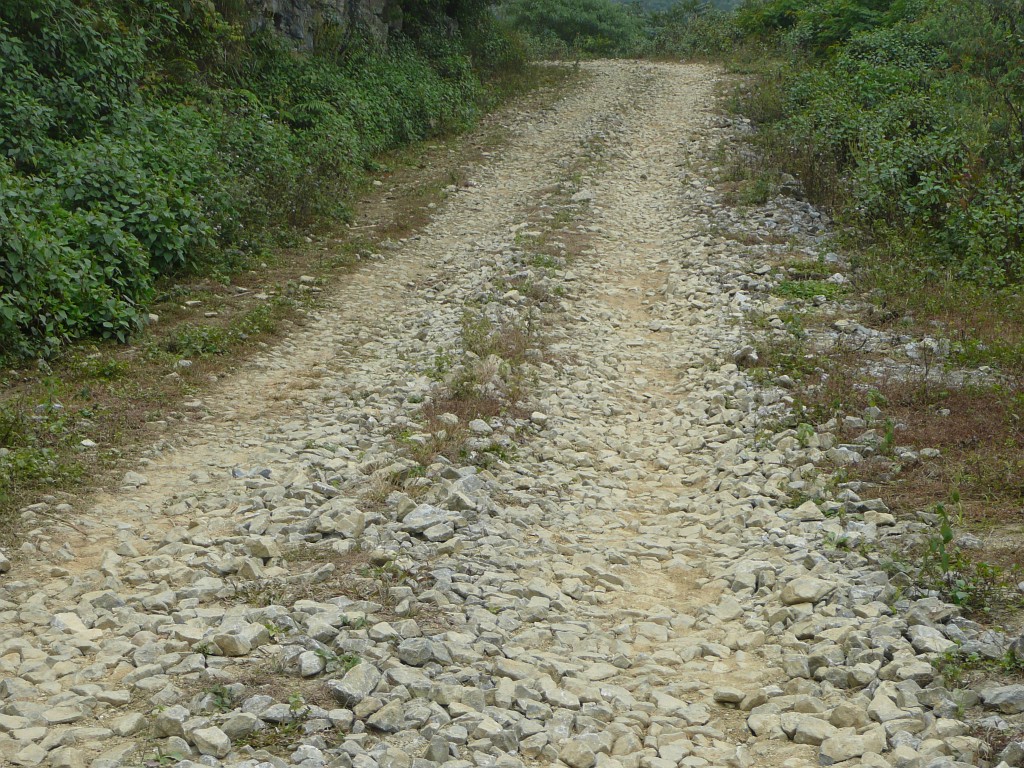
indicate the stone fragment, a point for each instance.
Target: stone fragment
{"x":929,"y":640}
{"x":388,"y":718}
{"x":67,"y":757}
{"x":170,"y":721}
{"x":31,"y":754}
{"x":813,"y":730}
{"x":68,"y":622}
{"x":358,"y":683}
{"x":480,"y":427}
{"x":846,"y":746}
{"x":311,"y":664}
{"x":211,"y":741}
{"x":232,"y":644}
{"x":417,"y":651}
{"x":239,"y":725}
{"x":423,"y":517}
{"x":62,"y":715}
{"x":576,"y":753}
{"x":1008,"y":699}
{"x":882,"y":709}
{"x":806,"y":589}
{"x":729,"y":695}
{"x":134,"y":479}
{"x":263,"y":547}
{"x":129,"y":725}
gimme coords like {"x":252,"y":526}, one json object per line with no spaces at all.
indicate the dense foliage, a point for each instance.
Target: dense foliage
{"x":563,"y":28}
{"x":692,"y":28}
{"x":659,"y":6}
{"x":141,"y":138}
{"x":588,"y":28}
{"x":908,"y":117}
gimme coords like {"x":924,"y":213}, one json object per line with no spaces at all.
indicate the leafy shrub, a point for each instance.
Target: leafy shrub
{"x":692,"y":28}
{"x":497,"y":47}
{"x":64,"y":274}
{"x":63,"y":67}
{"x":907,"y":118}
{"x":152,"y":138}
{"x":587,"y":27}
{"x":819,"y":25}
{"x":122,"y":178}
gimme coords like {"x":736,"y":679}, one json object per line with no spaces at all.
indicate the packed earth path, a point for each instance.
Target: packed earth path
{"x":614,"y":569}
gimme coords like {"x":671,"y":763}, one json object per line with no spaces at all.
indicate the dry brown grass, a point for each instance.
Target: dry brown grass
{"x":449,"y":440}
{"x":979,"y":474}
{"x":356,"y":575}
{"x":467,"y":407}
{"x":981,"y":437}
{"x":264,"y":679}
{"x":979,"y":430}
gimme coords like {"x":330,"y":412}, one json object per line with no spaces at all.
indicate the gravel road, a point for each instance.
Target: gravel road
{"x":619,"y":572}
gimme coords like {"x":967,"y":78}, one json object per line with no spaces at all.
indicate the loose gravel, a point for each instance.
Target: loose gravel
{"x":615,"y":574}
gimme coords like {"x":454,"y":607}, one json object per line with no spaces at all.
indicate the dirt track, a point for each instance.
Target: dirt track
{"x":612,"y":576}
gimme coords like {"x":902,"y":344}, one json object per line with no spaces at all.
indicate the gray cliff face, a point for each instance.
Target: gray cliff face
{"x":300,"y":20}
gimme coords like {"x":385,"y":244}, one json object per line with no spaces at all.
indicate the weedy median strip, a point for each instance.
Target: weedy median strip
{"x":489,"y":374}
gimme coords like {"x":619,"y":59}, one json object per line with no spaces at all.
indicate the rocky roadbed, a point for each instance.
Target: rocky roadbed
{"x":614,"y":577}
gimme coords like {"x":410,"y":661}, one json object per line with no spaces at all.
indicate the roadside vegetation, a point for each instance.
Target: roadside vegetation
{"x":140,"y":140}
{"x":905,"y":121}
{"x":175,"y":191}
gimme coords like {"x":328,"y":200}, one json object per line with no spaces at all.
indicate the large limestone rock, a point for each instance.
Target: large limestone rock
{"x":304,"y":21}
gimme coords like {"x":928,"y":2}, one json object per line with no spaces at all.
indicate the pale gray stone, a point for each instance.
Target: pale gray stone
{"x":929,"y":640}
{"x":846,"y":746}
{"x":358,"y":683}
{"x":211,"y":741}
{"x":576,"y":753}
{"x":1008,"y":699}
{"x":170,"y":721}
{"x":806,"y":589}
{"x":423,"y":517}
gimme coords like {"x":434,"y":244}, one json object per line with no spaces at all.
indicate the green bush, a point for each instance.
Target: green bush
{"x":817,"y":26}
{"x":578,"y":27}
{"x":145,"y":138}
{"x":908,"y":119}
{"x":64,"y":274}
{"x":692,"y":28}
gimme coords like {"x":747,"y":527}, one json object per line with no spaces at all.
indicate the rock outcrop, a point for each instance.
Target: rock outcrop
{"x":305,"y":21}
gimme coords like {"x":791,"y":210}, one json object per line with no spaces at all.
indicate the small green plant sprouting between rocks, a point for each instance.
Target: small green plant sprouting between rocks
{"x":804,"y":434}
{"x":222,"y":699}
{"x":335,"y":663}
{"x":978,"y":587}
{"x":888,"y":445}
{"x":956,"y":667}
